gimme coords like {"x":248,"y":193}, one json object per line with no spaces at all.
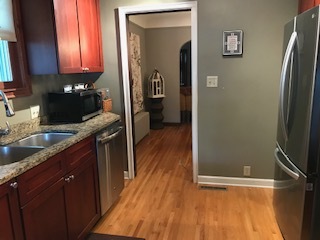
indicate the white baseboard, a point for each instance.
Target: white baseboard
{"x":126,"y":175}
{"x":232,"y":181}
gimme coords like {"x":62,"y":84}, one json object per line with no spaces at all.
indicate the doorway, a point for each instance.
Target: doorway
{"x":123,"y":14}
{"x":185,"y":83}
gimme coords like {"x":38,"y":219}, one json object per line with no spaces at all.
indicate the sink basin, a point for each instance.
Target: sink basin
{"x":11,"y":154}
{"x":42,"y":139}
{"x":15,"y":152}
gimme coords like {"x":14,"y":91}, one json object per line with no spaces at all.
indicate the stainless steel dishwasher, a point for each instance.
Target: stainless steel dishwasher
{"x":110,"y":164}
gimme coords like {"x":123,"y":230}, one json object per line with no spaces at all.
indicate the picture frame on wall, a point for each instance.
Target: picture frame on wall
{"x":232,"y":43}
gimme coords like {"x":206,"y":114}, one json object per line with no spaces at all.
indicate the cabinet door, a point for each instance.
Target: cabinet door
{"x":90,"y":35}
{"x":305,"y":5}
{"x":10,"y":224}
{"x":39,"y":36}
{"x":78,"y":36}
{"x":82,"y":199}
{"x":66,"y":18}
{"x":44,"y":216}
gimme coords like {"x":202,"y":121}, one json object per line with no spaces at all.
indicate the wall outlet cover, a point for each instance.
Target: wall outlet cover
{"x":34,"y":111}
{"x":246,"y":171}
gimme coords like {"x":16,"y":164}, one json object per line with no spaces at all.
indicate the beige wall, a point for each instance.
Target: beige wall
{"x":41,"y":85}
{"x":163,"y":52}
{"x":157,"y":51}
{"x":237,"y":120}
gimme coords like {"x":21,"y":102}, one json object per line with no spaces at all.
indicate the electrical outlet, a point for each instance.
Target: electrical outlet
{"x":246,"y":171}
{"x":212,"y":81}
{"x":34,"y":111}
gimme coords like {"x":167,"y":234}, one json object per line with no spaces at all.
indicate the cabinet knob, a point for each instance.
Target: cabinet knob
{"x":14,"y":185}
{"x":86,"y":69}
{"x":68,"y":179}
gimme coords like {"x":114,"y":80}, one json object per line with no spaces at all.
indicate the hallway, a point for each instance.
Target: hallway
{"x":162,"y":202}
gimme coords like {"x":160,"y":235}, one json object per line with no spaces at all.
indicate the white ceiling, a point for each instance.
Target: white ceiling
{"x":160,"y":20}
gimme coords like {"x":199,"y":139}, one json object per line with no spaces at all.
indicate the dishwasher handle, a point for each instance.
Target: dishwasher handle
{"x":110,"y":137}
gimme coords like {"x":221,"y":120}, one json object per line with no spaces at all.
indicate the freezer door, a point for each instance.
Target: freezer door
{"x":288,"y":197}
{"x":302,"y":90}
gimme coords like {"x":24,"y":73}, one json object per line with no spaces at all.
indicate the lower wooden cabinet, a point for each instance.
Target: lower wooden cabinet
{"x":10,"y":223}
{"x":66,"y":210}
{"x":44,"y":217}
{"x":56,"y":203}
{"x":82,"y":200}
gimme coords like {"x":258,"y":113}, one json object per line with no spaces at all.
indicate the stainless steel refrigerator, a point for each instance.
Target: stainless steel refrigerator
{"x":296,"y":183}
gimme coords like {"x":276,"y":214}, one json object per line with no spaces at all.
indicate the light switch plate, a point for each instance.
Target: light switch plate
{"x":212,"y":81}
{"x":34,"y":111}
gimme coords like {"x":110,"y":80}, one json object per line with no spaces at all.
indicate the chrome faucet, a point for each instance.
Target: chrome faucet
{"x":9,"y":113}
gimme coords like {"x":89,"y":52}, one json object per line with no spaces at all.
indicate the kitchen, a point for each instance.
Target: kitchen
{"x":224,"y":114}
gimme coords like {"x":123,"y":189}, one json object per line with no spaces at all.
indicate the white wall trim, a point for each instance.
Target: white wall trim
{"x":161,"y":20}
{"x":166,"y":7}
{"x":126,"y":174}
{"x":232,"y":181}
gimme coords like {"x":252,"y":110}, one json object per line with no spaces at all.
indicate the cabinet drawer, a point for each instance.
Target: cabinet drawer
{"x":79,"y":153}
{"x":39,"y":178}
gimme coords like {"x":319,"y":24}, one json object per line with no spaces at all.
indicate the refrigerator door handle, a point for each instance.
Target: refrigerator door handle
{"x":285,"y":64}
{"x":291,"y":173}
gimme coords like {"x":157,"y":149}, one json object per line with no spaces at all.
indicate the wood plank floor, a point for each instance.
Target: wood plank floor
{"x":162,"y":202}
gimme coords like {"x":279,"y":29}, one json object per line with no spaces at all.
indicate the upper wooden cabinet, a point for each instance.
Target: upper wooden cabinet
{"x":63,"y":36}
{"x":304,"y":5}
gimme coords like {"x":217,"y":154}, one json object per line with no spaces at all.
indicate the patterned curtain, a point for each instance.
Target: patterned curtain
{"x":135,"y":61}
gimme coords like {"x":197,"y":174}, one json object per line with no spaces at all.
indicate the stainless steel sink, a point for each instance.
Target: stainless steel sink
{"x":42,"y":139}
{"x":11,"y":154}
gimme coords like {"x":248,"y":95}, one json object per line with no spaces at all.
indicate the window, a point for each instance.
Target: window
{"x":5,"y":63}
{"x":14,"y":79}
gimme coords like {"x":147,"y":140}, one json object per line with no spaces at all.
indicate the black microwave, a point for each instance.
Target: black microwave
{"x":74,"y":106}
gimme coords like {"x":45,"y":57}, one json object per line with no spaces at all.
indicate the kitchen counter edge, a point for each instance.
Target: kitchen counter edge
{"x":84,"y":130}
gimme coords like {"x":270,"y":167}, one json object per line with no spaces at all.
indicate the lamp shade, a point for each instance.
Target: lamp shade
{"x":7,"y":31}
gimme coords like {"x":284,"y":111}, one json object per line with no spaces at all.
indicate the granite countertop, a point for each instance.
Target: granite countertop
{"x":22,"y":130}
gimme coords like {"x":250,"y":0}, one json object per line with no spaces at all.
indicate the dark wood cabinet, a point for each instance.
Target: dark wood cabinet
{"x":58,"y":203}
{"x":10,"y":224}
{"x":37,"y":179}
{"x":45,"y":216}
{"x":304,"y":5}
{"x":79,"y":152}
{"x":83,"y":208}
{"x":63,"y":37}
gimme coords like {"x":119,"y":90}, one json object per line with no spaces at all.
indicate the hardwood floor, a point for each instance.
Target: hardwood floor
{"x":162,"y":202}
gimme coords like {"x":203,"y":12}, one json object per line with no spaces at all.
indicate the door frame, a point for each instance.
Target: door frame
{"x":123,"y":13}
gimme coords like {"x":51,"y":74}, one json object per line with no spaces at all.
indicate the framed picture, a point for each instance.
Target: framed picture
{"x":232,"y":42}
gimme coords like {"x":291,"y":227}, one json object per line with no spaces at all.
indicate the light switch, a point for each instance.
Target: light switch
{"x":212,"y":81}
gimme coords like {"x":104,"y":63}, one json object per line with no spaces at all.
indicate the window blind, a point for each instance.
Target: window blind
{"x":5,"y":64}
